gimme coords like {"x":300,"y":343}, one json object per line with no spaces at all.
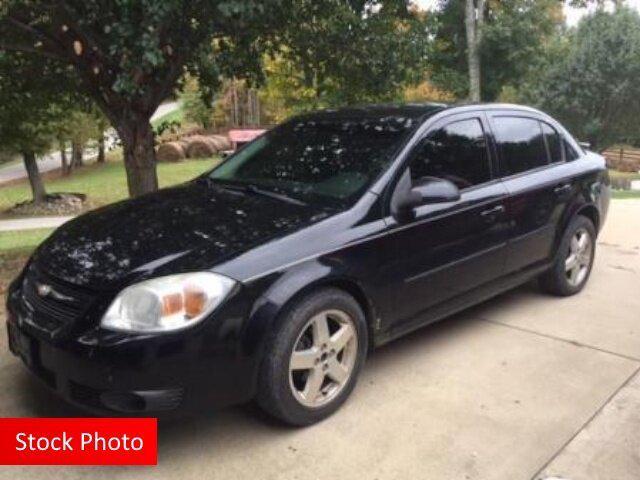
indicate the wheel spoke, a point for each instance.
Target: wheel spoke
{"x":575,"y":272}
{"x":313,"y":385}
{"x":337,"y":371}
{"x":320,"y":328}
{"x":303,"y":359}
{"x":341,"y":338}
{"x":571,"y":262}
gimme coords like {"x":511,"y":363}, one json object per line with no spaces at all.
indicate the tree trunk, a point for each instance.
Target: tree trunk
{"x":76,"y":154}
{"x":63,"y":158}
{"x":474,"y":21}
{"x":35,"y":180}
{"x":139,"y":156}
{"x":101,"y":155}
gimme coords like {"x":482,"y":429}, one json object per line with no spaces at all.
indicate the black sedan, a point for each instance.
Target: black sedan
{"x":273,"y":275}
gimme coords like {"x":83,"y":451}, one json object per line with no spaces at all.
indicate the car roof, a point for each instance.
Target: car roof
{"x":410,"y":110}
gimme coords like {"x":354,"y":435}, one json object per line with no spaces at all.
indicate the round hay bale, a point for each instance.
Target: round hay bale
{"x":184,"y":143}
{"x":219,"y":143}
{"x":200,"y":147}
{"x":223,"y":141}
{"x":170,"y":152}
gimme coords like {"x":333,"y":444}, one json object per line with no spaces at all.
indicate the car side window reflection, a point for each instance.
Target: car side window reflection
{"x":554,"y":142}
{"x":521,"y":143}
{"x":456,"y":152}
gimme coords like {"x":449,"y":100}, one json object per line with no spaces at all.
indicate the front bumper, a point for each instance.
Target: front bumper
{"x":115,"y":373}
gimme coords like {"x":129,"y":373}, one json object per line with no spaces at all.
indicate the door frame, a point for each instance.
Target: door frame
{"x":421,"y":133}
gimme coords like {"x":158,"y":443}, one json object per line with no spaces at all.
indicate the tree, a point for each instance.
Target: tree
{"x":130,"y":56}
{"x":474,"y":25}
{"x":29,"y":106}
{"x":343,"y":54}
{"x":591,"y":83}
{"x":477,"y":52}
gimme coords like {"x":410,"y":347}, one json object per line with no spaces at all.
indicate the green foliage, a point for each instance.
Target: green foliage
{"x":194,"y":101}
{"x":132,"y":53}
{"x":31,"y":99}
{"x":590,"y":83}
{"x":165,"y":126}
{"x":514,"y":36}
{"x":335,"y":54}
{"x":129,"y":56}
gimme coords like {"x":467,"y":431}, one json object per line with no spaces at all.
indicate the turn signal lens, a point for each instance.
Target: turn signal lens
{"x":195,"y":301}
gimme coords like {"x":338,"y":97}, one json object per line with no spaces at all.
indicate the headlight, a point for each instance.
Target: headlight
{"x":167,"y":303}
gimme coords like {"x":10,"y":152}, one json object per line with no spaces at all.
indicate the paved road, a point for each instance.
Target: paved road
{"x":32,"y":223}
{"x":52,"y":161}
{"x":524,"y":386}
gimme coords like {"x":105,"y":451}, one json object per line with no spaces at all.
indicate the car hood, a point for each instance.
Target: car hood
{"x":186,"y":228}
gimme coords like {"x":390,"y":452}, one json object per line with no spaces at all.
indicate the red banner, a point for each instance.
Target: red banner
{"x":78,"y":441}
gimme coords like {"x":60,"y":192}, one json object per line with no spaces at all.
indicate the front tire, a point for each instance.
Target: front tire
{"x":313,"y":358}
{"x":574,"y":259}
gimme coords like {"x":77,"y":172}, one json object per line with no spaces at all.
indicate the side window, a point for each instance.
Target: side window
{"x":570,"y":152}
{"x":521,"y":143}
{"x":455,"y":152}
{"x":554,"y":142}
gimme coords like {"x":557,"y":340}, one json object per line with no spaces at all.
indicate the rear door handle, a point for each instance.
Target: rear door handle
{"x":561,"y":189}
{"x":492,"y":212}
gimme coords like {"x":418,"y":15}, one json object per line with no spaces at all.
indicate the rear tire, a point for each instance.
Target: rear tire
{"x":574,"y":259}
{"x":313,"y":358}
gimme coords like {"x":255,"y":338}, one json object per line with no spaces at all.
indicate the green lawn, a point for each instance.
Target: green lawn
{"x":629,"y":175}
{"x":23,"y":241}
{"x":622,"y":194}
{"x":105,"y":183}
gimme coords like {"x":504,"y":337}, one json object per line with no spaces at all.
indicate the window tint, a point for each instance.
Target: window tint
{"x":521,"y":143}
{"x":455,"y":152}
{"x":570,"y":151}
{"x":554,"y":142}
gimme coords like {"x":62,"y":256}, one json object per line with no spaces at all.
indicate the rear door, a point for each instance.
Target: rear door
{"x":539,"y":182}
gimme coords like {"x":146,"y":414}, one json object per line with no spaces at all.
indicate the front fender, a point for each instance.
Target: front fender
{"x":281,"y":289}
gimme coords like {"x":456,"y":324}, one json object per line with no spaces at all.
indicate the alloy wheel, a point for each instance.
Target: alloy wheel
{"x":578,"y":259}
{"x":323,"y":358}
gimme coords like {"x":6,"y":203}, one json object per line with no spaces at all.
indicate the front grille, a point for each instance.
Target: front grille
{"x":53,"y":304}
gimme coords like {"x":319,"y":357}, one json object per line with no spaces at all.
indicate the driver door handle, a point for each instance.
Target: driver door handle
{"x":562,"y":189}
{"x":492,"y":212}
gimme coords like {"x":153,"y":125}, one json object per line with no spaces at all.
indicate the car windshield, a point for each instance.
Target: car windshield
{"x":312,"y":158}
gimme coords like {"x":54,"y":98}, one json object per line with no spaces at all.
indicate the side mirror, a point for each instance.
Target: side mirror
{"x":585,"y":145}
{"x":431,"y":190}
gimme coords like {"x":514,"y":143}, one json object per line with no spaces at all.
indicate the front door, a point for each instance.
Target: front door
{"x":448,"y":249}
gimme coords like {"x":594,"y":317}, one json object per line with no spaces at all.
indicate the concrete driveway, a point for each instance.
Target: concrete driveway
{"x":525,"y":386}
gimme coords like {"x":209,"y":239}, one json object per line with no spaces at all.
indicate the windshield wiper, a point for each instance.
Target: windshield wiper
{"x":278,"y":196}
{"x":252,"y":188}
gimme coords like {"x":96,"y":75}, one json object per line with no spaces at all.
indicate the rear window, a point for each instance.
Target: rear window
{"x":521,"y":143}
